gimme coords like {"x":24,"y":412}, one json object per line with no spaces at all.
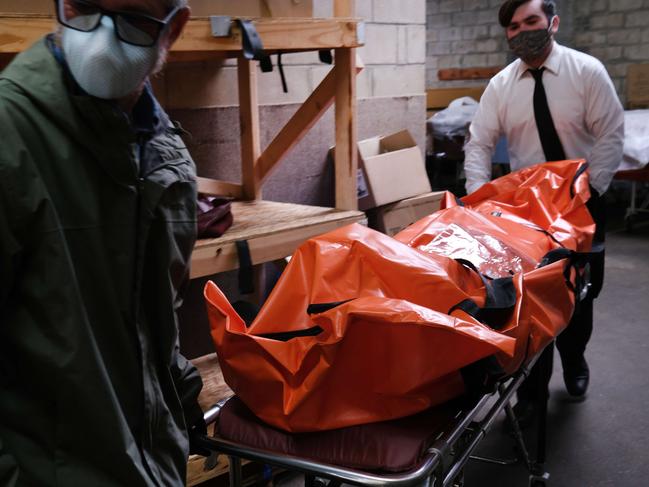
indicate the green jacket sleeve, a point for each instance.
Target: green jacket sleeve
{"x":8,"y":468}
{"x":189,"y":384}
{"x":9,"y":250}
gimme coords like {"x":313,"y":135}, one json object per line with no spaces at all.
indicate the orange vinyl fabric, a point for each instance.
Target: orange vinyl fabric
{"x":394,"y":344}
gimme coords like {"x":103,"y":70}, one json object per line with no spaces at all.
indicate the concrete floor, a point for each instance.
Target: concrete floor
{"x":604,"y":440}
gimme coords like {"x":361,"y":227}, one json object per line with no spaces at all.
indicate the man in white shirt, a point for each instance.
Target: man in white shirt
{"x":552,"y":103}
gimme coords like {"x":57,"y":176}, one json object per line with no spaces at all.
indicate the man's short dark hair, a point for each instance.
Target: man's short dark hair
{"x":508,"y":8}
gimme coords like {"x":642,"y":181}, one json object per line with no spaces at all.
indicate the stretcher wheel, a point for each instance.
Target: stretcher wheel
{"x":539,"y":480}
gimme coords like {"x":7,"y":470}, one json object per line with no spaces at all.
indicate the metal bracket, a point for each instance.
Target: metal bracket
{"x":221,"y":25}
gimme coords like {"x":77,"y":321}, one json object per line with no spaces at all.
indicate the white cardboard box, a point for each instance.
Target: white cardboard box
{"x":393,"y":218}
{"x":392,"y":169}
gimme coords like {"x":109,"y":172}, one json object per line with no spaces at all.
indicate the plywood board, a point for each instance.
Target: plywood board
{"x":273,"y":231}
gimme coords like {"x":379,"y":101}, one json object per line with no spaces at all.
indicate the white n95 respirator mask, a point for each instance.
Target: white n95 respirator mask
{"x":105,"y":66}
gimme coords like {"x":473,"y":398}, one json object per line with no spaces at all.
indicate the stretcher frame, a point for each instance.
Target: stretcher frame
{"x":442,"y":465}
{"x":637,"y":178}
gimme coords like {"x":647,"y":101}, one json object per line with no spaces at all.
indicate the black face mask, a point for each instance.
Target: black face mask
{"x":530,"y":44}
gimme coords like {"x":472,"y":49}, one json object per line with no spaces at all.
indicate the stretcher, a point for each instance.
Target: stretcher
{"x":638,"y":178}
{"x":453,"y":433}
{"x":373,"y":358}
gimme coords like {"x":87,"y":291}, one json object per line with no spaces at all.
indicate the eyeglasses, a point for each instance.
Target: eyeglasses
{"x":137,"y":29}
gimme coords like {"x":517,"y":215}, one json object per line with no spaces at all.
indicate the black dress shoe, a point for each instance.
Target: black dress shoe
{"x":576,"y":377}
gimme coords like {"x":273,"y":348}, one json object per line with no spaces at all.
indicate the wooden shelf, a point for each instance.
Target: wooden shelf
{"x":214,"y":389}
{"x":197,"y":42}
{"x":273,"y":231}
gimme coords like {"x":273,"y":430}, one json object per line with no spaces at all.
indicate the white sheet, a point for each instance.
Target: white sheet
{"x":636,"y":140}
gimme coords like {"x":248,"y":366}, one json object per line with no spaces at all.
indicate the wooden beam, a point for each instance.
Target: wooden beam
{"x":198,"y":471}
{"x":21,"y":31}
{"x":273,"y":231}
{"x":275,"y":33}
{"x":300,"y":123}
{"x":17,"y":33}
{"x":344,"y":8}
{"x":453,"y":74}
{"x":346,"y":158}
{"x":215,"y":187}
{"x":637,"y":86}
{"x":249,"y":123}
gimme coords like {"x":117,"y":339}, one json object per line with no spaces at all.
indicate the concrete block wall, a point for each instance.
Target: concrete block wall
{"x":466,"y":33}
{"x":462,"y":34}
{"x":616,"y":32}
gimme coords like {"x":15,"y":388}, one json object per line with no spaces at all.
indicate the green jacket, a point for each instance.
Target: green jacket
{"x":93,"y":390}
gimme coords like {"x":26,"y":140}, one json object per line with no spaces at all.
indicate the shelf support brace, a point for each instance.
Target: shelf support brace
{"x":346,"y":158}
{"x":249,"y":123}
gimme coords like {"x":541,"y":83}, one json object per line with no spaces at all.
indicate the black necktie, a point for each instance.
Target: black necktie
{"x":547,"y":132}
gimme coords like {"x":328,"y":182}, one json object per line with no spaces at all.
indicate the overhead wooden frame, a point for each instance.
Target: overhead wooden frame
{"x":288,"y":34}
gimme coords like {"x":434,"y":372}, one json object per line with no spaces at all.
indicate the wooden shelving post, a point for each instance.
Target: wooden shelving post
{"x":249,"y":123}
{"x":346,"y":151}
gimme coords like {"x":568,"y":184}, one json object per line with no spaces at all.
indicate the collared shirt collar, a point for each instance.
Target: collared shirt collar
{"x":552,"y":64}
{"x":147,"y":118}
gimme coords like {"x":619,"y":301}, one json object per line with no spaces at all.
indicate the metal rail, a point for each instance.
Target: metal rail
{"x":433,"y":470}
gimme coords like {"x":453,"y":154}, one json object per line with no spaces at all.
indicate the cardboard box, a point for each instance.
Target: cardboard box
{"x":392,"y":169}
{"x":252,"y":8}
{"x":393,"y":218}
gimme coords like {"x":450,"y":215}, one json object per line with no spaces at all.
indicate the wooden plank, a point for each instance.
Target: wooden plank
{"x":249,"y":123}
{"x":198,"y":470}
{"x":273,"y":231}
{"x":214,"y":386}
{"x":214,"y":389}
{"x":300,"y":123}
{"x":440,"y":98}
{"x":468,"y":73}
{"x":311,"y":34}
{"x":346,"y":159}
{"x":17,"y":32}
{"x":215,"y":187}
{"x":344,"y":8}
{"x":637,"y":84}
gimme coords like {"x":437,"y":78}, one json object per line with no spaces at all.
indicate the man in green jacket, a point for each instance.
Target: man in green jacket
{"x":97,"y":224}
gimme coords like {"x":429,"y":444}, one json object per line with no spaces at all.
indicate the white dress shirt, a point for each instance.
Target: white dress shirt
{"x":585,"y":110}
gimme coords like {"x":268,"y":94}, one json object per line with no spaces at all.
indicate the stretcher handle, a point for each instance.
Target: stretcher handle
{"x":212,"y":414}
